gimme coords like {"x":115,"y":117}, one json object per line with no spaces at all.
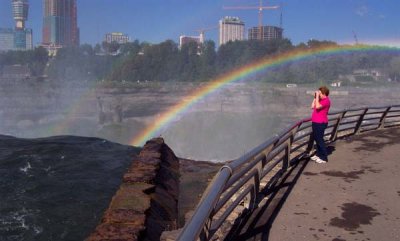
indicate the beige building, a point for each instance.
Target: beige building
{"x":116,"y":37}
{"x":230,"y":29}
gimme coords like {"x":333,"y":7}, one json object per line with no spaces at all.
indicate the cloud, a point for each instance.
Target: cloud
{"x":362,"y":11}
{"x":382,"y":16}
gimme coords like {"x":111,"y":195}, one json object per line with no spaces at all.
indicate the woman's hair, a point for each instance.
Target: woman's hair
{"x":324,"y":90}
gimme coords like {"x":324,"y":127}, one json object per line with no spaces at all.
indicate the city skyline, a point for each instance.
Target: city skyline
{"x":158,"y":20}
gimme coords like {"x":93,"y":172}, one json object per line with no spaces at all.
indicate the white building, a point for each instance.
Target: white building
{"x":230,"y":29}
{"x":116,"y":37}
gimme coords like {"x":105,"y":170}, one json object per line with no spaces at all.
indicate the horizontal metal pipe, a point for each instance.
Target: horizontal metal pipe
{"x":391,"y":121}
{"x":368,"y":129}
{"x":345,"y":129}
{"x":301,"y":137}
{"x":305,"y":125}
{"x":369,"y":124}
{"x":276,"y":152}
{"x":194,"y":226}
{"x":290,"y":128}
{"x":392,"y":124}
{"x":392,"y":116}
{"x":217,"y":223}
{"x":380,"y":107}
{"x":375,"y":113}
{"x":348,"y":122}
{"x":347,"y":110}
{"x":283,"y":140}
{"x":240,"y":173}
{"x":270,"y":167}
{"x":299,"y":146}
{"x":352,"y":115}
{"x":234,"y":189}
{"x":251,"y":154}
{"x":372,"y":118}
{"x":330,"y":125}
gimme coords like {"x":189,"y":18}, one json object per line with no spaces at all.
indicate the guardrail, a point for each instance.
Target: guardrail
{"x":236,"y":188}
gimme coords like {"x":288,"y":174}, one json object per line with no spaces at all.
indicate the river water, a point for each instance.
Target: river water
{"x":57,"y":188}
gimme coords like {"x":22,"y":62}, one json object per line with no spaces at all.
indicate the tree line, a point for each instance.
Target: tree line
{"x":36,"y":59}
{"x":142,"y":61}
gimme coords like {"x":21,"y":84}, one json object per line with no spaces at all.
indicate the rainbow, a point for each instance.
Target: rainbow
{"x":168,"y":116}
{"x":72,"y":112}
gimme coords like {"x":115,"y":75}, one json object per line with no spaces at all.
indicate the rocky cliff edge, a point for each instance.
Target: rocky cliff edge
{"x":146,"y":204}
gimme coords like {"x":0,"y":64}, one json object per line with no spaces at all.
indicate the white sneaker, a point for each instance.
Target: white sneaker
{"x":314,"y":158}
{"x":320,"y":161}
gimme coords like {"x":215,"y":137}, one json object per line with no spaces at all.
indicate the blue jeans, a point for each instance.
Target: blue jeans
{"x":318,"y":135}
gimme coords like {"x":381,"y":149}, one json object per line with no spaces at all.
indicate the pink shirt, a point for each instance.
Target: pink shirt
{"x":321,"y":115}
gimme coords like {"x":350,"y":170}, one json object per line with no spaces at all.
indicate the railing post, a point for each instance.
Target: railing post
{"x":285,"y":163}
{"x":336,"y":126}
{"x":382,"y":120}
{"x":310,"y":142}
{"x":288,"y":148}
{"x":255,"y":192}
{"x":359,"y":122}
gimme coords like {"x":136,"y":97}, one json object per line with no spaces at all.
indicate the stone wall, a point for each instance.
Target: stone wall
{"x":146,"y":204}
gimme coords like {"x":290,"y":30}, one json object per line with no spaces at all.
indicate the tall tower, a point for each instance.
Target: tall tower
{"x":22,"y":35}
{"x":230,"y":29}
{"x":60,"y":27}
{"x":20,"y":12}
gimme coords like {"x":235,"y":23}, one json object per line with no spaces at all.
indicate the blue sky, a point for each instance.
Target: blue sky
{"x":154,"y":21}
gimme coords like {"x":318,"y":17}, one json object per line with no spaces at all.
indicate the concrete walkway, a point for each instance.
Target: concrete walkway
{"x":355,"y":196}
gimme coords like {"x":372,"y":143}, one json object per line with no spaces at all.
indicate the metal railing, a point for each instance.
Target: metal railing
{"x":236,"y":188}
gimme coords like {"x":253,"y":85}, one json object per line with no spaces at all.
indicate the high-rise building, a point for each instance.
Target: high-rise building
{"x":23,"y":39}
{"x":230,"y":29}
{"x":116,"y":37}
{"x":22,"y":35}
{"x":20,"y":10}
{"x":19,"y":38}
{"x":6,"y":39}
{"x":60,"y":27}
{"x":267,"y":33}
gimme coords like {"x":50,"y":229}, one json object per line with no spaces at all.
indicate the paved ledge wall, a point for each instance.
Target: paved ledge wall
{"x":146,"y":203}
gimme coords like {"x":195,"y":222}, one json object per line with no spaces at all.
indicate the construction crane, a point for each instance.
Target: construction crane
{"x":260,"y":16}
{"x":202,"y":31}
{"x":281,"y":16}
{"x":355,"y":37}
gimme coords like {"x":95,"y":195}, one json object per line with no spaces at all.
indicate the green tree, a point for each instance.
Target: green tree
{"x":189,"y":62}
{"x":131,"y":48}
{"x":207,"y":60}
{"x":112,"y":47}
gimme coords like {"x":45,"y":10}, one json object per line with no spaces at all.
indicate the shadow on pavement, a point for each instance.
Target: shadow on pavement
{"x":257,"y":224}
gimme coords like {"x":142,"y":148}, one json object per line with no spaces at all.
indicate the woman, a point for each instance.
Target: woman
{"x":319,"y":118}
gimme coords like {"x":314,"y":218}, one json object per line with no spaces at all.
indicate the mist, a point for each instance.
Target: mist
{"x":222,"y":126}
